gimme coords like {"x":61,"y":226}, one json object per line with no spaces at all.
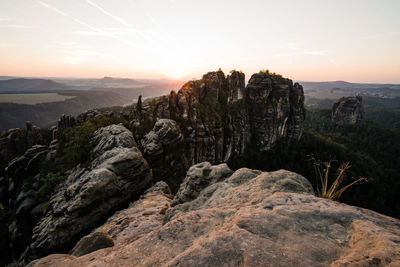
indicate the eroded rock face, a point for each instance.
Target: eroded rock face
{"x":117,"y":174}
{"x":164,"y":149}
{"x":347,"y":110}
{"x":236,"y":85}
{"x":219,"y":116}
{"x":252,"y":218}
{"x":19,"y":199}
{"x":276,"y":109}
{"x":140,"y":218}
{"x":15,"y":141}
{"x":109,"y":137}
{"x":198,"y":177}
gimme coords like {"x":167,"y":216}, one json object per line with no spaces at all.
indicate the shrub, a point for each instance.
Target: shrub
{"x":49,"y":182}
{"x":74,"y":147}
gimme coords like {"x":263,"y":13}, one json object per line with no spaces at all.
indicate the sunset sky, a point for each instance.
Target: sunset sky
{"x":317,"y":40}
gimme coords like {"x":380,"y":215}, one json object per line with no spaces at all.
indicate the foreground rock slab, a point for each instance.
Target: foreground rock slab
{"x":252,"y":218}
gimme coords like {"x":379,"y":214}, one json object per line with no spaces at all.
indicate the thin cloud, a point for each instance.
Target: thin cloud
{"x":123,"y":32}
{"x":118,"y":19}
{"x":108,"y":13}
{"x":85,"y":24}
{"x":75,"y":53}
{"x":166,"y":37}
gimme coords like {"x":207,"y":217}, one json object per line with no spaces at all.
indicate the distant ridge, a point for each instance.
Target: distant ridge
{"x":345,"y":85}
{"x":30,"y":85}
{"x":126,"y":81}
{"x":7,"y":77}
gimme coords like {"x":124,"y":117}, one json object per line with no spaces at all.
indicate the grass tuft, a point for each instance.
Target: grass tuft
{"x":332,"y":190}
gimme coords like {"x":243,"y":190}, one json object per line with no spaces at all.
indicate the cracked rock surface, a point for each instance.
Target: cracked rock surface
{"x":246,"y":218}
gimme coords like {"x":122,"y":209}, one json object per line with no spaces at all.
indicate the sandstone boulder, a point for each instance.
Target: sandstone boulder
{"x":253,"y":218}
{"x":198,"y":177}
{"x":164,"y":149}
{"x":92,"y":242}
{"x":109,"y":137}
{"x":117,"y":175}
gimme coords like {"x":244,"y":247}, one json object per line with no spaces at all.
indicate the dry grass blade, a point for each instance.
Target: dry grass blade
{"x":322,"y":170}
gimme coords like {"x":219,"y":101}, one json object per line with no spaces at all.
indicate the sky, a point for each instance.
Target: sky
{"x":308,"y":40}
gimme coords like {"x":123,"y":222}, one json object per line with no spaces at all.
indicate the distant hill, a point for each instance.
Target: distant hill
{"x":7,"y":77}
{"x":345,"y":85}
{"x":30,"y":85}
{"x":112,"y":80}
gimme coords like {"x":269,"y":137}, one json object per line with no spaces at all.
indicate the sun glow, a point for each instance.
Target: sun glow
{"x":176,"y":73}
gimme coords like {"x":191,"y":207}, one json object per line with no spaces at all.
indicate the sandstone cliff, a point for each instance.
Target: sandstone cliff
{"x":219,"y":116}
{"x":243,"y":218}
{"x":347,"y":110}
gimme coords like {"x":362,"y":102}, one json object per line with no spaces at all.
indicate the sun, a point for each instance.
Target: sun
{"x":176,"y":73}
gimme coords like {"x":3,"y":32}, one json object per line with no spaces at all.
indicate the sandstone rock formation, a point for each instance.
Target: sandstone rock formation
{"x":20,"y":200}
{"x":164,"y":149}
{"x":117,"y":174}
{"x":347,"y":110}
{"x":249,"y":218}
{"x":276,"y":108}
{"x":15,"y":141}
{"x":219,"y":117}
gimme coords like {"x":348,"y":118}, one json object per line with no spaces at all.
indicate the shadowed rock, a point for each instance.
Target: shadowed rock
{"x":118,"y":174}
{"x":164,"y":149}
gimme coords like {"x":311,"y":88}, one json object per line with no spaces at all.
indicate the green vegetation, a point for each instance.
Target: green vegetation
{"x":49,"y":182}
{"x":275,"y":76}
{"x":387,"y":117}
{"x":74,"y":148}
{"x":372,"y":149}
{"x":75,"y":145}
{"x":32,"y":99}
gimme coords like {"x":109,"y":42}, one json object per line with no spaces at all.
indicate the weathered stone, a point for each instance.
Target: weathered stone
{"x":25,"y":207}
{"x":91,"y":113}
{"x":236,"y":85}
{"x":347,"y":110}
{"x":164,"y":149}
{"x":142,"y":216}
{"x":92,"y":242}
{"x":117,"y":175}
{"x":109,"y":137}
{"x":65,"y":122}
{"x":199,"y":177}
{"x":277,"y":109}
{"x":219,"y":116}
{"x":253,"y":218}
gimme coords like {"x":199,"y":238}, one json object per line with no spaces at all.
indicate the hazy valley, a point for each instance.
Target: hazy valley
{"x":44,"y":101}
